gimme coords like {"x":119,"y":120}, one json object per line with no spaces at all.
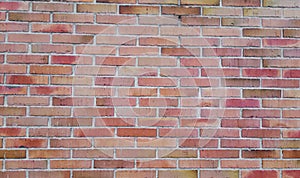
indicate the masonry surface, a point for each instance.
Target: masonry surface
{"x":150,"y":89}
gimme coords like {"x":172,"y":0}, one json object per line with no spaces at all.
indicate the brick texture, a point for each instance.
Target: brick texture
{"x":150,"y":88}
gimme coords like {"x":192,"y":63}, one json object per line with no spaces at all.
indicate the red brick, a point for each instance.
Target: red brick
{"x":116,"y":40}
{"x":293,"y":53}
{"x":57,"y":174}
{"x":280,"y":83}
{"x":13,"y":90}
{"x":201,"y":2}
{"x":71,"y":122}
{"x":157,"y":1}
{"x":114,"y":142}
{"x":29,"y":38}
{"x":93,"y":132}
{"x":26,"y":143}
{"x":290,"y":113}
{"x":261,"y":113}
{"x":282,"y":43}
{"x":178,"y":132}
{"x":139,"y":10}
{"x":182,"y":153}
{"x":156,"y":20}
{"x":235,"y":82}
{"x":115,"y":122}
{"x":200,"y":21}
{"x":46,"y":154}
{"x":116,"y":19}
{"x":179,"y":31}
{"x":198,"y":163}
{"x":15,"y":48}
{"x":180,"y":10}
{"x":61,"y":91}
{"x":244,"y":123}
{"x":13,"y":27}
{"x":262,"y":53}
{"x":135,"y":153}
{"x":237,"y":42}
{"x":54,"y":70}
{"x":291,"y":134}
{"x":290,"y":173}
{"x":96,"y":29}
{"x":93,"y":153}
{"x":94,"y":70}
{"x":196,"y":143}
{"x":52,"y":7}
{"x":241,"y":22}
{"x":51,"y":28}
{"x":70,"y":143}
{"x":221,"y":32}
{"x":88,"y":91}
{"x":91,"y":111}
{"x":26,"y":164}
{"x":50,"y":111}
{"x":261,"y":133}
{"x":252,"y":3}
{"x":70,"y":164}
{"x":14,"y":6}
{"x":219,"y":153}
{"x":242,"y":103}
{"x":51,"y":48}
{"x":27,"y":59}
{"x":221,"y":52}
{"x":278,"y":123}
{"x":49,"y":132}
{"x":75,"y":39}
{"x":240,"y":143}
{"x":267,"y":164}
{"x":113,"y":164}
{"x":97,"y":8}
{"x":114,"y":81}
{"x":26,"y":121}
{"x":261,"y":73}
{"x":119,"y":1}
{"x":260,"y":174}
{"x":73,"y":18}
{"x":280,"y":144}
{"x":240,"y":164}
{"x":197,"y":62}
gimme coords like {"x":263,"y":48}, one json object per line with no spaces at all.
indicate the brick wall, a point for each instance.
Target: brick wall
{"x":150,"y":88}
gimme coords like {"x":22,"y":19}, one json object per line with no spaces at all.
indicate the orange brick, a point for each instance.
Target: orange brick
{"x":91,"y":111}
{"x":116,"y":40}
{"x":136,"y":132}
{"x":27,"y":121}
{"x":114,"y":81}
{"x":18,"y":48}
{"x":12,"y":111}
{"x":119,"y":1}
{"x":179,"y":92}
{"x":180,"y":51}
{"x":12,"y":69}
{"x":115,"y":101}
{"x":177,"y":153}
{"x":280,"y":143}
{"x":179,"y":31}
{"x":280,"y":83}
{"x":12,"y":154}
{"x":290,"y":173}
{"x":158,"y":20}
{"x":291,"y":33}
{"x":221,"y":52}
{"x":29,"y":17}
{"x":198,"y":163}
{"x":261,"y":154}
{"x":29,"y":38}
{"x":283,"y":43}
{"x":98,"y":50}
{"x":139,"y":10}
{"x":71,"y":122}
{"x":216,"y":11}
{"x":180,"y":10}
{"x":219,"y":153}
{"x":280,"y":164}
{"x":261,"y":93}
{"x":240,"y":42}
{"x":157,"y":82}
{"x":196,"y":143}
{"x":291,"y":134}
{"x":240,"y":143}
{"x":116,"y":19}
{"x":69,"y":80}
{"x":265,"y":32}
{"x":114,"y":142}
{"x":291,"y":154}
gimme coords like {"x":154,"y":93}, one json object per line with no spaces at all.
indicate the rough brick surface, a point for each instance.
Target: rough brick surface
{"x":150,"y":88}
